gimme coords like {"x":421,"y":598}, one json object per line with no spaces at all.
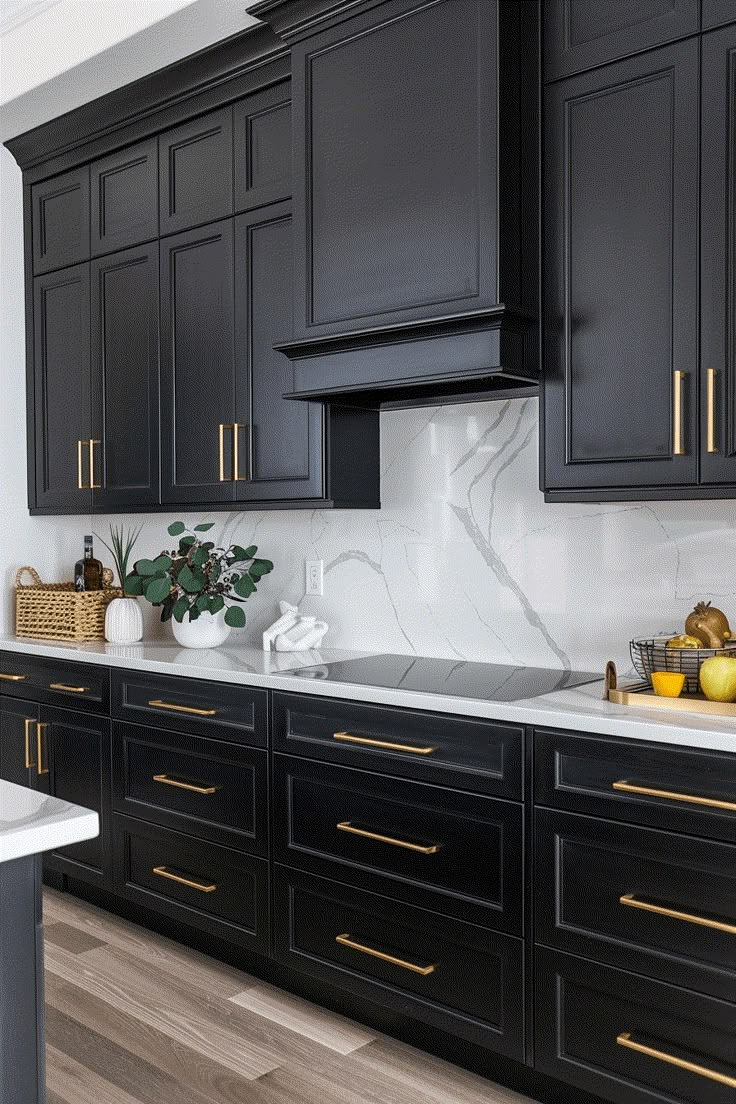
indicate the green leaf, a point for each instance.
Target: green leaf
{"x":203,"y":603}
{"x":193,"y":613}
{"x":217,"y":602}
{"x":204,"y":528}
{"x":199,"y":557}
{"x":176,"y":528}
{"x":260,"y":567}
{"x":168,"y":606}
{"x":191,"y":581}
{"x":215,"y":572}
{"x":180,"y":608}
{"x":245,"y":586}
{"x":157,"y":591}
{"x":239,"y":554}
{"x":133,"y":585}
{"x":235,"y":618}
{"x":145,"y":567}
{"x":186,"y":542}
{"x":250,"y":552}
{"x":162,"y":563}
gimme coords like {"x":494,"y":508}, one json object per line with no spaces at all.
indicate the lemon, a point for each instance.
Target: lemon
{"x":668,"y":684}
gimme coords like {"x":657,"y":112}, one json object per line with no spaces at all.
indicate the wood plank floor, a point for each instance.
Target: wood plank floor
{"x":133,"y":1018}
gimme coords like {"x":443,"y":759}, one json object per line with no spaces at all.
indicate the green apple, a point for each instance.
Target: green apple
{"x":718,"y":678}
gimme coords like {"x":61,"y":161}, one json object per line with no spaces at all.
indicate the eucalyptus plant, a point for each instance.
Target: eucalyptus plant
{"x":199,"y":577}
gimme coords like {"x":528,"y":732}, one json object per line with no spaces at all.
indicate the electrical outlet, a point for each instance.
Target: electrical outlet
{"x":314,"y":576}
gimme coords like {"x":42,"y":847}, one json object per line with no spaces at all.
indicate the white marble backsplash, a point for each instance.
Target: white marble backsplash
{"x":465,"y":559}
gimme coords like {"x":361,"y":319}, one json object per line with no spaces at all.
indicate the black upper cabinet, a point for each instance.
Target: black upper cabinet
{"x":718,"y":12}
{"x":262,"y":149}
{"x":125,"y":402}
{"x":124,"y":191}
{"x":61,"y":220}
{"x":582,"y":34}
{"x":718,"y":258}
{"x":62,"y":409}
{"x":196,"y":171}
{"x":621,"y":276}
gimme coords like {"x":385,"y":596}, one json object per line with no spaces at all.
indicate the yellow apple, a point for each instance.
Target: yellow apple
{"x":718,"y":678}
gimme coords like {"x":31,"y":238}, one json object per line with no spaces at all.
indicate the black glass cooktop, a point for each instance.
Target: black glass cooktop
{"x":457,"y":678}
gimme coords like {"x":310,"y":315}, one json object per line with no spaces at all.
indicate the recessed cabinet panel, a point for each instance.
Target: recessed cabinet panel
{"x":621,"y":274}
{"x":124,"y":190}
{"x":125,"y":378}
{"x":18,"y":741}
{"x":581,"y":34}
{"x":61,"y":220}
{"x":63,"y":416}
{"x":718,"y":12}
{"x":196,"y":171}
{"x":262,"y":145}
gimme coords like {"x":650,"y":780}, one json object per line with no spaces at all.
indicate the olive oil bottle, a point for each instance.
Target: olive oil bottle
{"x":88,"y":571}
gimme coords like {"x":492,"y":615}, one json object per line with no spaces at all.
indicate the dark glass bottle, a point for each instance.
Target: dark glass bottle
{"x":88,"y":572}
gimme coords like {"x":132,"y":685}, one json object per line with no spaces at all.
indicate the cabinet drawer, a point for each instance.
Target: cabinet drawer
{"x":55,"y":682}
{"x":659,"y":904}
{"x":209,"y":788}
{"x":205,"y":708}
{"x":404,"y":839}
{"x":455,"y":976}
{"x":592,"y":1021}
{"x":663,"y":786}
{"x":453,"y":751}
{"x":201,"y":884}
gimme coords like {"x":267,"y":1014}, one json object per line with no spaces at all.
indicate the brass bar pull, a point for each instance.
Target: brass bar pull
{"x":164,"y":873}
{"x":39,"y":748}
{"x":387,"y":745}
{"x":190,"y":786}
{"x":346,"y":941}
{"x":711,"y":410}
{"x":183,"y":708}
{"x":81,"y":486}
{"x":93,"y":486}
{"x":631,"y":901}
{"x":346,"y":826}
{"x":221,"y":447}
{"x":238,"y":478}
{"x":28,"y":722}
{"x":625,"y":1040}
{"x":68,"y":689}
{"x":678,"y":448}
{"x":672,"y":795}
{"x":13,"y":678}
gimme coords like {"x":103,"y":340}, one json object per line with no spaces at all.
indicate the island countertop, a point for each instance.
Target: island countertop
{"x":32,"y":822}
{"x":581,"y":709}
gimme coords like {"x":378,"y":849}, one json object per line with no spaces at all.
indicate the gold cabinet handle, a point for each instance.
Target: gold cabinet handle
{"x":221,"y":447}
{"x":346,"y":941}
{"x":190,"y":786}
{"x":182,"y":708}
{"x":40,"y":727}
{"x":678,"y":447}
{"x":630,"y":901}
{"x":387,"y":745}
{"x":28,"y":722}
{"x":711,"y":410}
{"x":238,"y":478}
{"x":13,"y":678}
{"x":346,"y":826}
{"x":93,"y":486}
{"x":625,"y":1040}
{"x":163,"y":872}
{"x":672,"y":795}
{"x":68,"y":689}
{"x":81,"y":485}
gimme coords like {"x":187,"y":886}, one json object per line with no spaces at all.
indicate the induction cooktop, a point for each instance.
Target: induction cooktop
{"x":456,"y":678}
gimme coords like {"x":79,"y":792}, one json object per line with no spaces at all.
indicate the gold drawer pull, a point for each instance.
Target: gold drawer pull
{"x":675,"y":914}
{"x":28,"y":722}
{"x":346,"y":941}
{"x":13,"y":678}
{"x":40,"y":769}
{"x":678,"y":447}
{"x":711,"y":410}
{"x":348,"y":738}
{"x":346,"y":826}
{"x":164,"y":873}
{"x":672,"y":795}
{"x":625,"y":1040}
{"x":164,"y":778}
{"x":81,"y":485}
{"x":93,"y":486}
{"x":68,"y":689}
{"x":183,"y":708}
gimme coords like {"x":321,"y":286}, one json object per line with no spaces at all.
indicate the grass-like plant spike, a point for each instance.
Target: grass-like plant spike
{"x":122,"y":542}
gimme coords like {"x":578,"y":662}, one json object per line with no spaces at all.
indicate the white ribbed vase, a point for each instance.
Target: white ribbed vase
{"x":208,"y":631}
{"x":123,"y":621}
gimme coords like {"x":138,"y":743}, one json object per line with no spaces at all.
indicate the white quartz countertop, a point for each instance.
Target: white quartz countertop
{"x":31,"y":822}
{"x":576,"y":710}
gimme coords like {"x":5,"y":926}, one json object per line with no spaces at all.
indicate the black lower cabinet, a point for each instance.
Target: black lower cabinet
{"x":455,"y":976}
{"x":629,"y":1039}
{"x":18,"y":721}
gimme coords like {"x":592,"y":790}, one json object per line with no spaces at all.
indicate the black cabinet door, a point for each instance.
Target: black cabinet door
{"x":124,"y":197}
{"x":582,"y":34}
{"x":74,"y":765}
{"x":718,"y":12}
{"x":279,"y":440}
{"x":197,"y":365}
{"x":262,"y":148}
{"x":718,"y":258}
{"x":196,"y":171}
{"x":61,"y":220}
{"x":621,"y":214}
{"x":125,"y":406}
{"x":18,"y":741}
{"x":62,"y":411}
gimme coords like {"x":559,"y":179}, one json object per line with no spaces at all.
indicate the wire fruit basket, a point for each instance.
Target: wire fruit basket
{"x":652,"y":654}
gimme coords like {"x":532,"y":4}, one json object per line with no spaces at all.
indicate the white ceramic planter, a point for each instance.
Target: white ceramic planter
{"x":208,"y":631}
{"x":123,"y":621}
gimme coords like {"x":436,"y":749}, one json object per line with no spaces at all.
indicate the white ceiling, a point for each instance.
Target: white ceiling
{"x":13,"y":13}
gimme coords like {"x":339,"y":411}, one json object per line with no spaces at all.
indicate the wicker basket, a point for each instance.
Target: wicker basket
{"x":56,"y":611}
{"x":654,"y":655}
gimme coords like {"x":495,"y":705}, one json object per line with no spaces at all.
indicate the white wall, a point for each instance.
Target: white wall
{"x":465,"y":559}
